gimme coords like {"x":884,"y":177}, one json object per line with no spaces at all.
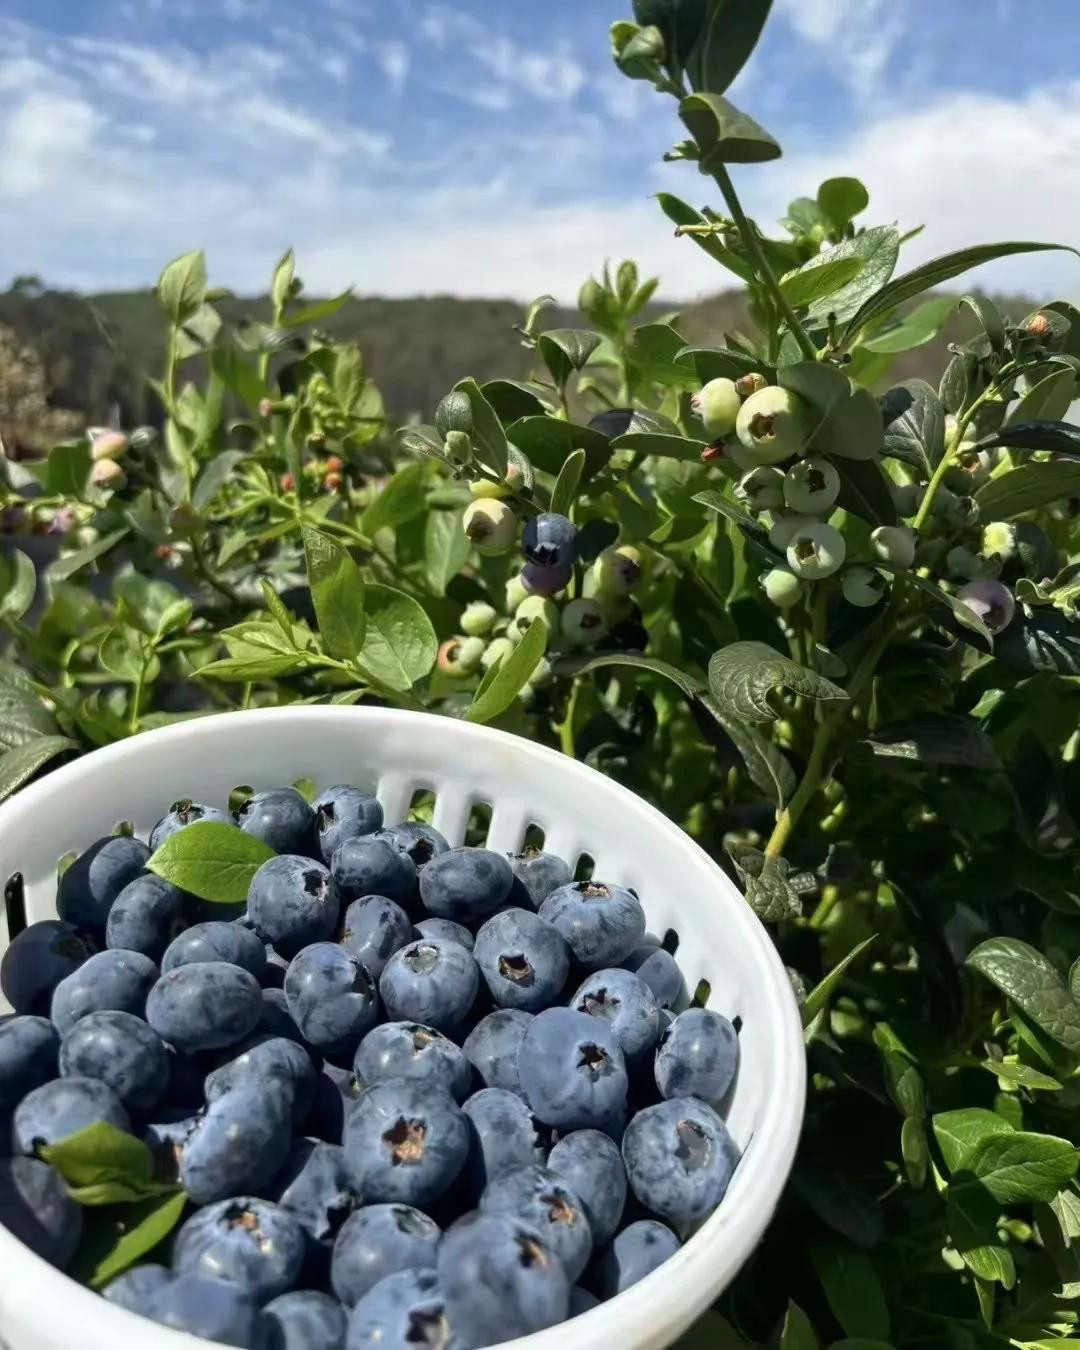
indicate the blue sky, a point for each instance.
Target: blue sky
{"x":489,"y":147}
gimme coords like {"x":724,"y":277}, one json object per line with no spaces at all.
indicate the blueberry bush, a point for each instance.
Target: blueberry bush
{"x":829,"y":626}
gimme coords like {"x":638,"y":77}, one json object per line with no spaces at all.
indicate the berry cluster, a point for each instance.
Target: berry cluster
{"x":414,"y":1094}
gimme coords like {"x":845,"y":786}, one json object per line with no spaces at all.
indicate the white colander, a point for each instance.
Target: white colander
{"x":580,"y":812}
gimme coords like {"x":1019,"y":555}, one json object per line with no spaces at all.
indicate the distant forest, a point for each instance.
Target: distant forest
{"x":97,"y":350}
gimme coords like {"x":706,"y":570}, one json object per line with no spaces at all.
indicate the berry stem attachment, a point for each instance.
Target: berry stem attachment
{"x":765,"y":272}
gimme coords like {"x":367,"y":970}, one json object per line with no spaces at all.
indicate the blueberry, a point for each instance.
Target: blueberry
{"x":523,"y":959}
{"x":466,"y":884}
{"x":88,"y":888}
{"x":252,"y":1242}
{"x":37,"y":960}
{"x":545,"y":1203}
{"x":302,"y":1320}
{"x":59,"y":1109}
{"x":402,"y":1311}
{"x":448,"y":930}
{"x":432,"y":982}
{"x":581,"y":1301}
{"x":602,"y":924}
{"x":679,"y":1159}
{"x":420,"y":841}
{"x":293,"y":901}
{"x":280,"y":818}
{"x":182,"y":814}
{"x":344,"y":813}
{"x":497,"y":1274}
{"x":410,"y":1050}
{"x":572,"y":1070}
{"x":697,"y":1056}
{"x":377,"y":1241}
{"x":660,"y":971}
{"x":503,"y":1133}
{"x":332,"y":997}
{"x":536,"y":875}
{"x":28,"y":1058}
{"x":550,"y":540}
{"x":273,"y":972}
{"x":166,"y":1138}
{"x":492,"y":1047}
{"x":374,"y":929}
{"x":269,"y":1063}
{"x":335,"y":1092}
{"x":207,"y":1006}
{"x":316,"y":1186}
{"x":239,"y":1144}
{"x":139,"y":1288}
{"x":539,"y":580}
{"x":405,"y":1141}
{"x":36,"y":1208}
{"x":121,"y":1051}
{"x":229,"y":942}
{"x":637,"y":1251}
{"x":626,"y":1004}
{"x":591,"y":1165}
{"x":372,"y":865}
{"x":276,"y":1019}
{"x":146,"y":916}
{"x":110,"y":981}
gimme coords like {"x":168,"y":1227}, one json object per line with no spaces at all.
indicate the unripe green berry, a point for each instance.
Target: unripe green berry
{"x":496,"y":651}
{"x":971,"y":469}
{"x":490,"y":525}
{"x":454,"y":413}
{"x":905,"y":498}
{"x":470,"y":654}
{"x":812,"y":486}
{"x":862,"y":587}
{"x":783,"y":529}
{"x":964,"y":562}
{"x":718,"y":407}
{"x":478,"y":619}
{"x":999,"y":540}
{"x":542,"y":676}
{"x":460,"y":658}
{"x":583,"y":623}
{"x":762,"y":489}
{"x":106,"y":473}
{"x":459,"y":447}
{"x":513,"y":482}
{"x":108,"y":445}
{"x":616,"y":571}
{"x":515,"y":592}
{"x":772,"y":425}
{"x":816,"y":550}
{"x":894,"y":544}
{"x":782,"y":587}
{"x":535,"y":607}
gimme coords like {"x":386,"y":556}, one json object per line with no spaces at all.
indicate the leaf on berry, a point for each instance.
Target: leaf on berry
{"x":211,"y":860}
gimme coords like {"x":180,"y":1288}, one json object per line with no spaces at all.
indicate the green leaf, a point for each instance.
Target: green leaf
{"x":848,"y":421}
{"x":712,"y":1332}
{"x":424,"y":441}
{"x":728,"y":37}
{"x":101,"y":1154}
{"x":681,"y":213}
{"x":400,"y":645}
{"x":337,"y":592}
{"x":181,"y":288}
{"x":512,"y":674}
{"x":564,"y":494}
{"x":1046,"y":401}
{"x":823,"y":991}
{"x":1027,"y":488}
{"x":20,"y":591}
{"x":1017,"y":1167}
{"x":742,"y":675}
{"x":239,"y":375}
{"x":864,"y":491}
{"x":852,"y":1288}
{"x":914,"y":1150}
{"x":943,"y":738}
{"x":489,"y":438}
{"x":766,"y":766}
{"x":71,"y":563}
{"x":548,"y":442}
{"x":819,"y":278}
{"x":565,"y":350}
{"x":877,"y":249}
{"x":914,"y":425}
{"x":281,"y":287}
{"x":661,"y":444}
{"x":752,"y":531}
{"x":446,"y":549}
{"x":1050,"y":436}
{"x":766,"y":883}
{"x":959,"y":1133}
{"x":400,"y":500}
{"x":22,"y":762}
{"x":971,"y":1215}
{"x":127,"y":1235}
{"x":215,"y":476}
{"x":724,"y":134}
{"x":1041,"y":640}
{"x":987,"y":314}
{"x":957,"y":610}
{"x":246,"y":670}
{"x":916,"y":329}
{"x":1021,"y":1075}
{"x":66,"y":472}
{"x":1026,"y":977}
{"x":322,"y":309}
{"x":197,"y":334}
{"x":23,"y":716}
{"x":841,"y":200}
{"x":797,"y":1333}
{"x":211,"y":860}
{"x":655,"y":353}
{"x":933,"y":274}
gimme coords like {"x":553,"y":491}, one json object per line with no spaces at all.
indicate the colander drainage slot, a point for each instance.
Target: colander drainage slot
{"x":586,"y":865}
{"x":478,"y":825}
{"x":15,"y":905}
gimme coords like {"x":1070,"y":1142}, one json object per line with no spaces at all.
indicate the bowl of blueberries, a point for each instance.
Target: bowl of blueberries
{"x":329,"y":1028}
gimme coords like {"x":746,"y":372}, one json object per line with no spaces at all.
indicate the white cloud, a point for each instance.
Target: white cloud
{"x":856,"y":37}
{"x":45,"y":132}
{"x":394,"y":62}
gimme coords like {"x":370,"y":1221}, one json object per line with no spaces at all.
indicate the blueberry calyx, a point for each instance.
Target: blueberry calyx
{"x":405,"y":1139}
